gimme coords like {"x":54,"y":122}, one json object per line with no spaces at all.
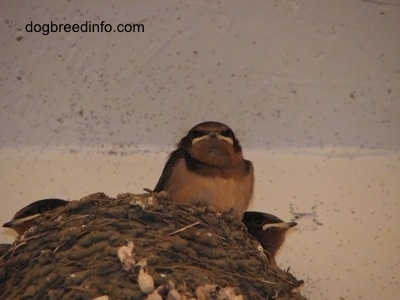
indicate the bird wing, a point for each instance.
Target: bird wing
{"x":166,"y":173}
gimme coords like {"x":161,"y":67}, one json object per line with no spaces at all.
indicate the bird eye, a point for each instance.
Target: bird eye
{"x":227,"y":133}
{"x":42,"y":209}
{"x":258,"y":220}
{"x":196,"y":134}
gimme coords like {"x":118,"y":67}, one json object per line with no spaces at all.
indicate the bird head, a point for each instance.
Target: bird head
{"x":268,"y":229}
{"x":26,"y":217}
{"x":213,"y":144}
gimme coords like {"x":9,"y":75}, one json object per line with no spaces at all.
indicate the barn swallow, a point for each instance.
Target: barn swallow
{"x":25,"y":218}
{"x":268,"y":229}
{"x":208,"y":168}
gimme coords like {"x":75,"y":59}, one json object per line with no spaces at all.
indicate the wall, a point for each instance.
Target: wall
{"x":311,"y":88}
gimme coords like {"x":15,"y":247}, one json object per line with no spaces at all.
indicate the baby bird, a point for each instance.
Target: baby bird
{"x":25,"y":217}
{"x":208,"y":168}
{"x":268,"y":229}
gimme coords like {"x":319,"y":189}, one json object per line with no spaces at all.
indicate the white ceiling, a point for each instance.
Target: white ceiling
{"x":282,"y":74}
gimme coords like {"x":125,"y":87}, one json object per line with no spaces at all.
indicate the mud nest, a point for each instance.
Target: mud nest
{"x":72,"y":253}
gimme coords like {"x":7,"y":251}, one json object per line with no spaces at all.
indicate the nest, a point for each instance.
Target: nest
{"x":72,"y":253}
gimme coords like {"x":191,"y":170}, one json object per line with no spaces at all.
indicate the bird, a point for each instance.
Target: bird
{"x":208,"y":168}
{"x":267,"y":229}
{"x":26,"y":217}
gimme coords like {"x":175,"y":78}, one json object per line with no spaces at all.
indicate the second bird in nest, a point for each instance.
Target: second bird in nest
{"x":268,"y":229}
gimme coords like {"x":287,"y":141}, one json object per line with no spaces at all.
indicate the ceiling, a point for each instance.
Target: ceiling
{"x":282,"y":74}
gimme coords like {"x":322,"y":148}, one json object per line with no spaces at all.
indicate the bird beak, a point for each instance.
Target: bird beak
{"x":283,"y":225}
{"x":220,"y":137}
{"x":19,"y":221}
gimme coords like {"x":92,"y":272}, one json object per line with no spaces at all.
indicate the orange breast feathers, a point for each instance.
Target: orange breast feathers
{"x":228,"y":193}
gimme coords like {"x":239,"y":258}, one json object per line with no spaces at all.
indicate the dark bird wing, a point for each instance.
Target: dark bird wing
{"x":166,"y":173}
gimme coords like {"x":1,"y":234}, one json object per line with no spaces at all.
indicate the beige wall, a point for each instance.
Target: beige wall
{"x":311,"y":89}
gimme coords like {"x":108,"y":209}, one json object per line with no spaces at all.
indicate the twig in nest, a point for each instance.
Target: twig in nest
{"x":158,"y":214}
{"x":14,"y":248}
{"x":32,"y":237}
{"x":58,"y":213}
{"x":283,"y":278}
{"x":181,"y":266}
{"x":188,"y":207}
{"x":19,"y":243}
{"x":82,"y":289}
{"x":72,"y":239}
{"x":184,"y":228}
{"x":75,"y":218}
{"x":247,"y":278}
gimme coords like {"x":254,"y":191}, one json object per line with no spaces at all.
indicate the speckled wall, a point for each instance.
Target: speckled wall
{"x":311,"y":88}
